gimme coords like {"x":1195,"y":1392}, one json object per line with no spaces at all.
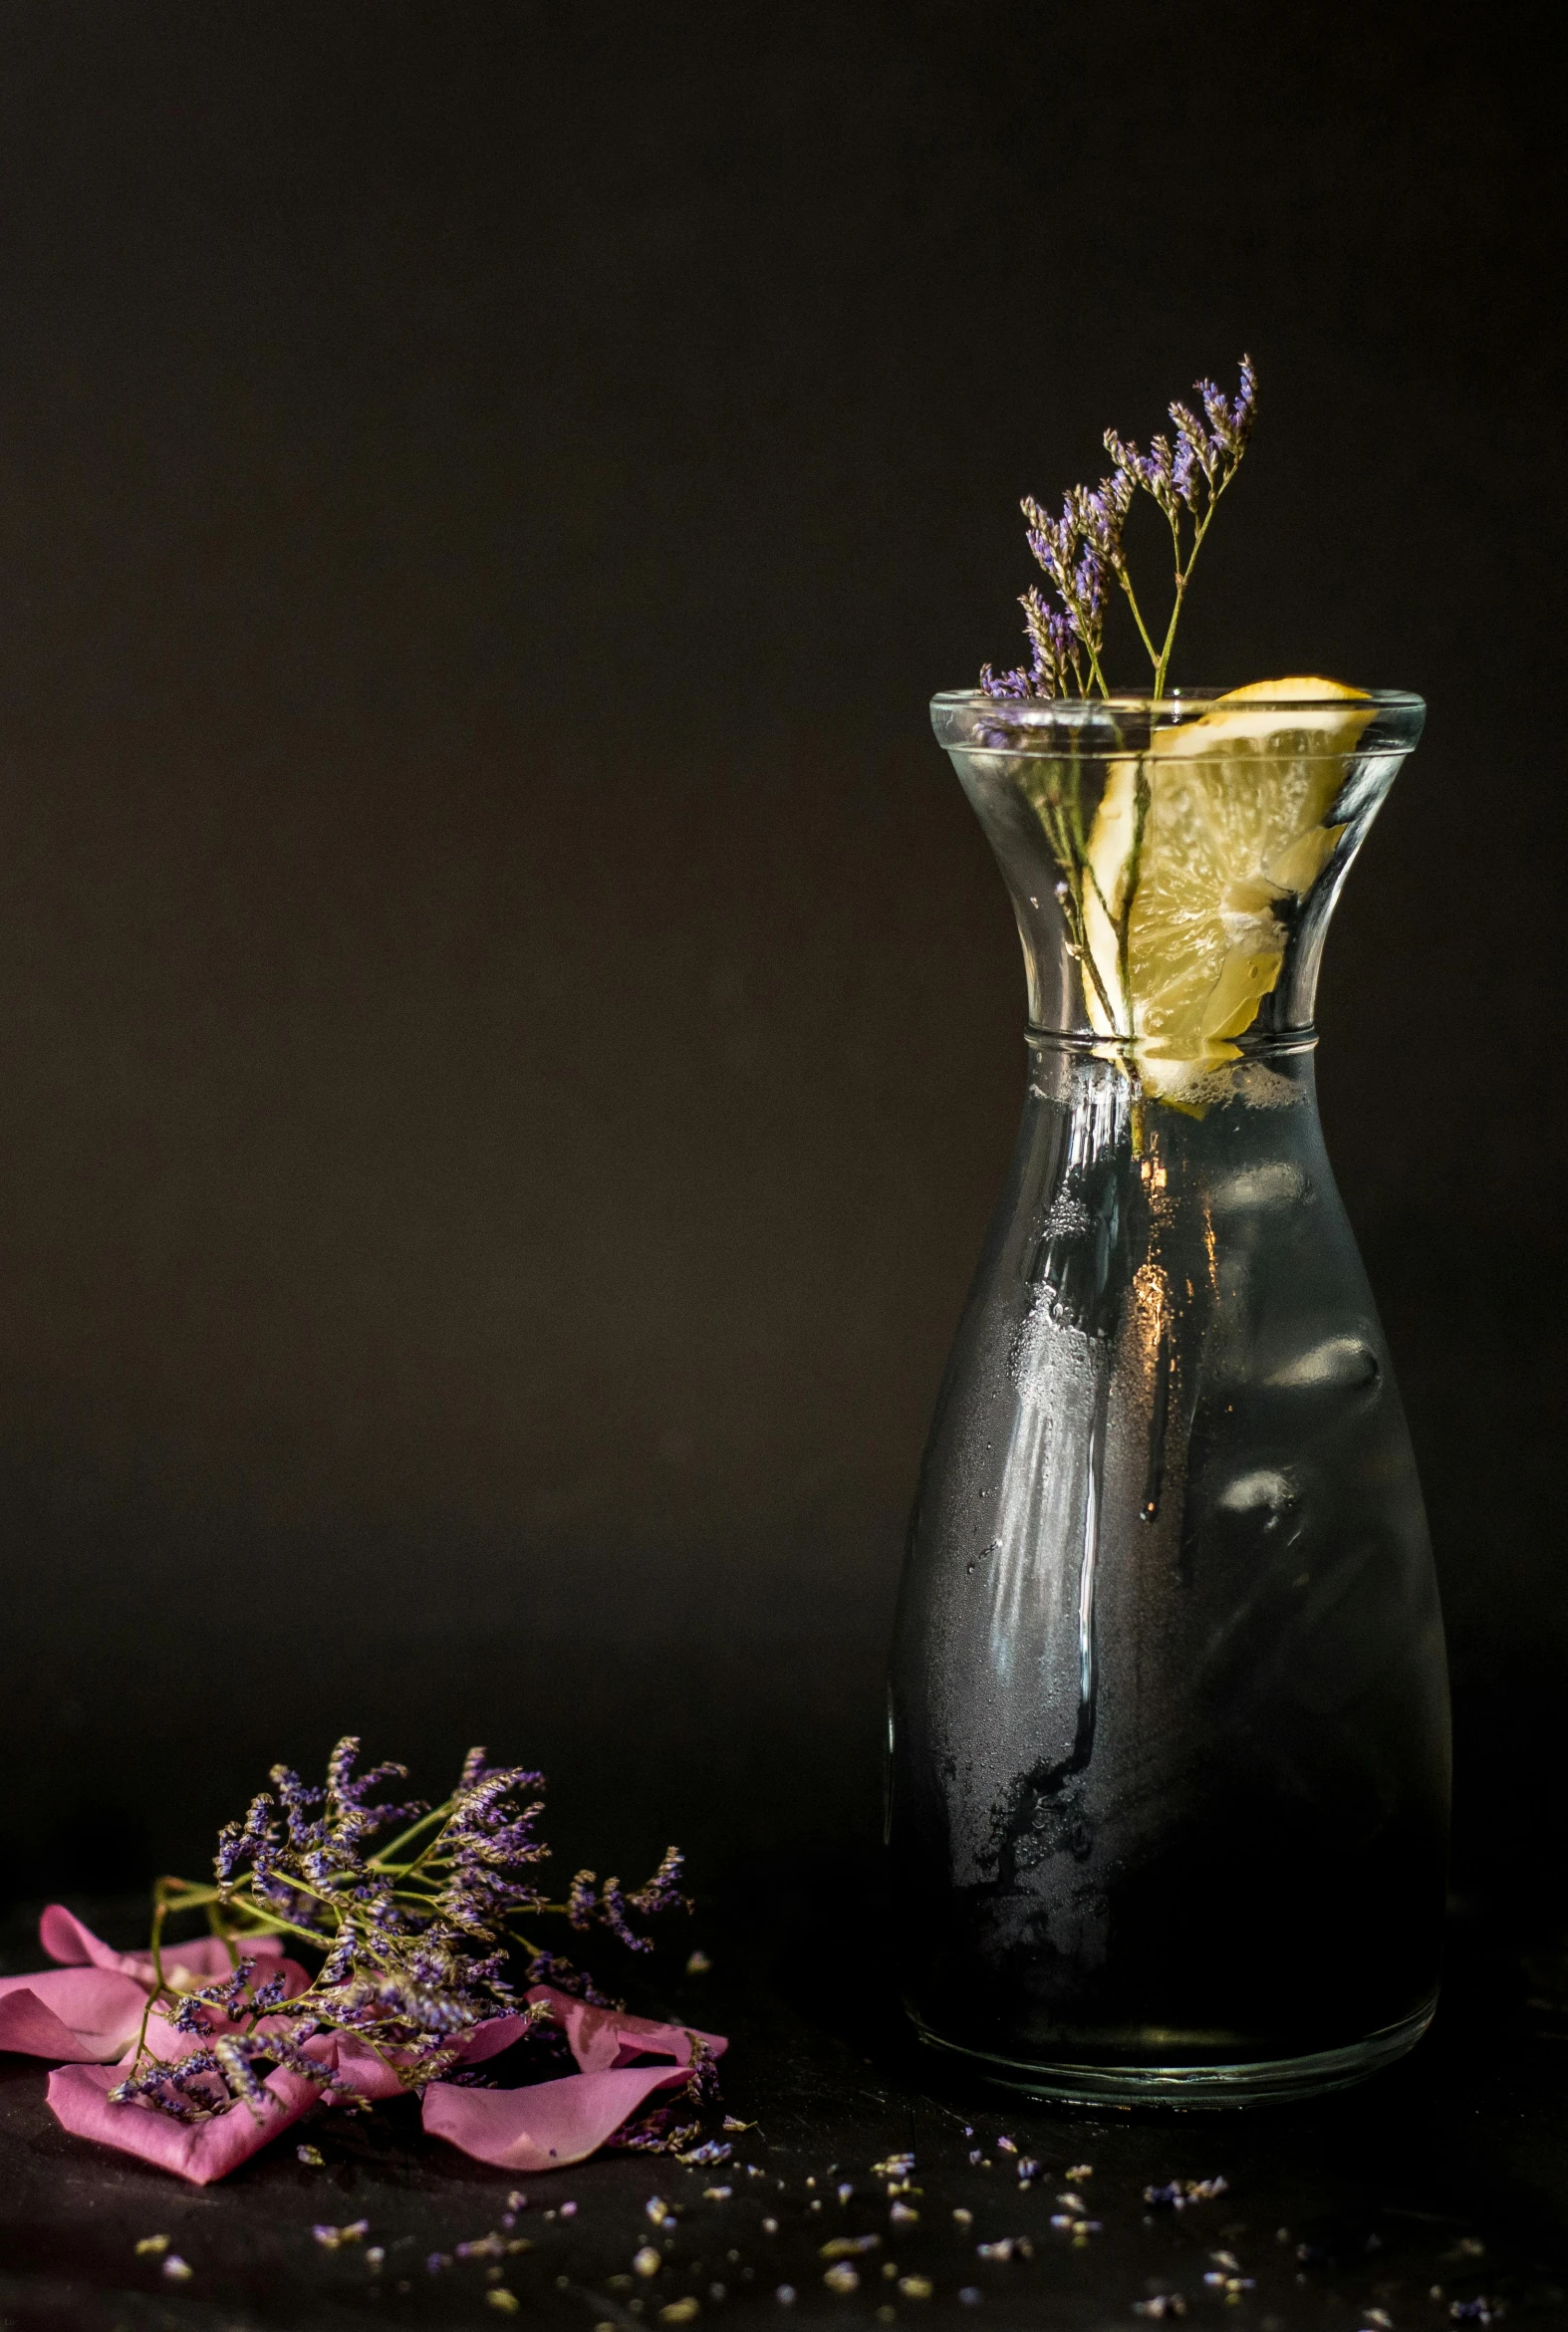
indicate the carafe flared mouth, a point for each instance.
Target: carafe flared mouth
{"x":969,"y":720}
{"x":1173,"y":860}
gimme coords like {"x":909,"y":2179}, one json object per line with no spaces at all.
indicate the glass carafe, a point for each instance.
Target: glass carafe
{"x":1168,"y":1731}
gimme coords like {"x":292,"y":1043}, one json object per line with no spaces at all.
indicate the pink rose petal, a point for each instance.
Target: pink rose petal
{"x":66,"y":1938}
{"x":555,"y":2123}
{"x":367,"y":2074}
{"x":372,"y":2074}
{"x":200,"y":2151}
{"x":76,"y":2015}
{"x":605,"y":2040}
{"x":547,"y":2127}
{"x":494,"y":2035}
{"x":90,"y":2008}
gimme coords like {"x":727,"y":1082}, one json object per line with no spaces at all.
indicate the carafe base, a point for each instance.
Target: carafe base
{"x":1188,"y":2088}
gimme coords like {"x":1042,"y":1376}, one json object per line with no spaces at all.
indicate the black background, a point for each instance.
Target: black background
{"x":509,"y":1034}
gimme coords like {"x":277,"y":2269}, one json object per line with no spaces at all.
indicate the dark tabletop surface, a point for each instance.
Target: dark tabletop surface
{"x":1435,"y":2194}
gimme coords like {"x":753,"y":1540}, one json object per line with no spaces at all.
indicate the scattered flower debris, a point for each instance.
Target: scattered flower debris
{"x":311,"y":2157}
{"x":1005,"y":2145}
{"x":679,"y":2311}
{"x":152,"y":2244}
{"x":1230,"y":2285}
{"x":843,"y":2277}
{"x":1465,"y":2311}
{"x":179,"y":2270}
{"x":1006,"y":2247}
{"x":785,"y":2295}
{"x":1073,"y":2216}
{"x":1164,"y":2303}
{"x":735,"y":2127}
{"x":1028,"y":2170}
{"x":963,"y":2217}
{"x":850,"y":2247}
{"x":916,"y":2286}
{"x":712,"y":2150}
{"x":770,"y":2226}
{"x":897,"y":2165}
{"x":504,"y":2302}
{"x":698,"y":1964}
{"x":375,"y":2256}
{"x":717,"y":2193}
{"x":1181,"y":2191}
{"x":845,"y":2192}
{"x":658,"y":2211}
{"x":332,"y":2239}
{"x":1079,"y":2171}
{"x":902,"y":2215}
{"x":646,"y":2261}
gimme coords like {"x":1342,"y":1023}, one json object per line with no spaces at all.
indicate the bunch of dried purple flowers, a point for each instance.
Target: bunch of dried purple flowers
{"x":1082,"y":551}
{"x":417,"y":1935}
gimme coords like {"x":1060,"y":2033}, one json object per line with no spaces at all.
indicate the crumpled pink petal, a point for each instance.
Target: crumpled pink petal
{"x":89,"y":2011}
{"x":92,"y":2007}
{"x":555,"y":2123}
{"x":68,"y":1939}
{"x":76,"y":2015}
{"x":209,"y":2150}
{"x":606,"y":2040}
{"x":375,"y":2074}
{"x":199,"y":2151}
{"x":546,"y":2127}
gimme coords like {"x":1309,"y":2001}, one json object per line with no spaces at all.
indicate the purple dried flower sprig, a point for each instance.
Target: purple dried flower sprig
{"x":1081,"y":551}
{"x":415,"y":1934}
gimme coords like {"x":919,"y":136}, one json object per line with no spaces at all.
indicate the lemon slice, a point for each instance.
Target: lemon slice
{"x":1234,"y":825}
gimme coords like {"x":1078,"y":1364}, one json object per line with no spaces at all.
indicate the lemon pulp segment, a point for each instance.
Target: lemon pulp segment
{"x":1233,"y":825}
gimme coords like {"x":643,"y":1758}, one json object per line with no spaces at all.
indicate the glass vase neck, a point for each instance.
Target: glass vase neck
{"x":1173,"y":865}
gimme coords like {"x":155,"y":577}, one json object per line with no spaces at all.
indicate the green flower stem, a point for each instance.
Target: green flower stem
{"x":1062,"y":815}
{"x":440,"y":1813}
{"x":1125,"y":581}
{"x":1124,"y":920}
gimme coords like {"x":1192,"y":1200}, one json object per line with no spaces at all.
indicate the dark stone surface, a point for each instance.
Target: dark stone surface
{"x":1452,"y":2170}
